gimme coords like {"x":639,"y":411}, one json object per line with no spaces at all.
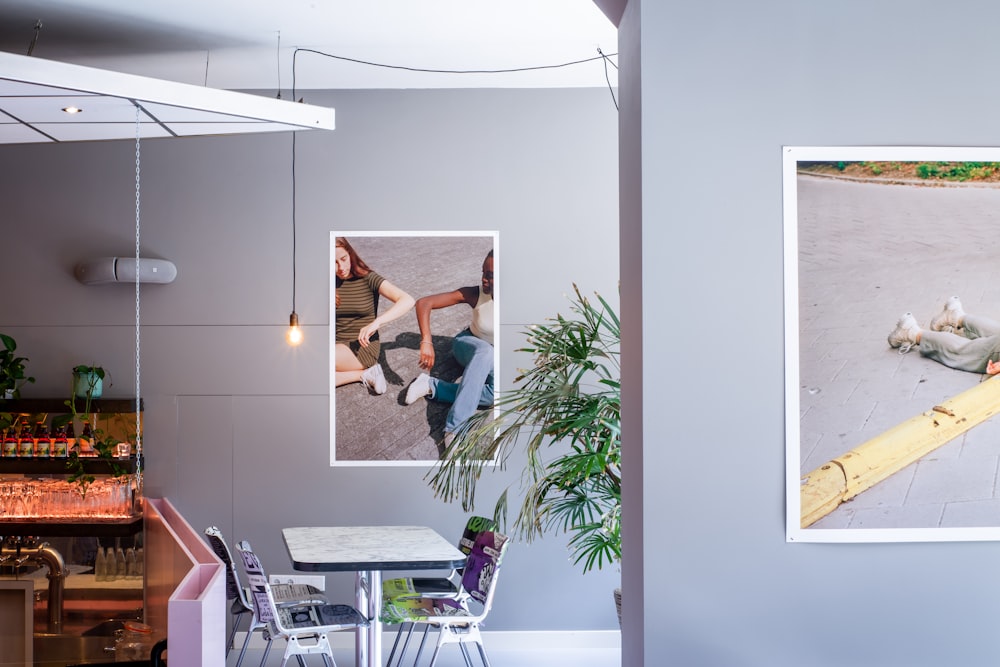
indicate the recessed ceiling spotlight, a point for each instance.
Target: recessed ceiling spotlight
{"x":72,"y":110}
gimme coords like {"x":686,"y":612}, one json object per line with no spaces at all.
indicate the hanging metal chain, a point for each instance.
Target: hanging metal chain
{"x":138,"y":356}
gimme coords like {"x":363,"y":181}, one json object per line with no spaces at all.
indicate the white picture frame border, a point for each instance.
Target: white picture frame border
{"x":493,"y":235}
{"x":791,"y":156}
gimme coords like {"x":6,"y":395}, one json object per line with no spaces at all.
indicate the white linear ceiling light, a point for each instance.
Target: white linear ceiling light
{"x":35,"y":95}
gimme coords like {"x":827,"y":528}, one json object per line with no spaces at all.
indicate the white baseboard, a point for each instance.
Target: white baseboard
{"x":515,"y":639}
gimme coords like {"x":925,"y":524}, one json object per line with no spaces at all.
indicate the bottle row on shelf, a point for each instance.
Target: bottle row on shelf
{"x":113,"y":564}
{"x":61,"y":441}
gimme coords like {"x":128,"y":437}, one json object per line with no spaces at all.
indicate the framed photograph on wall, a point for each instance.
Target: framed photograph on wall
{"x":398,"y":385}
{"x":892,"y":328}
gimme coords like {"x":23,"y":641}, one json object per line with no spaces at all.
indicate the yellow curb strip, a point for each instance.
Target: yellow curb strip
{"x":863,"y":467}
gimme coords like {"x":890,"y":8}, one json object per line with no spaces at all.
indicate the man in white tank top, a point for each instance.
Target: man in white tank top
{"x":472,"y":347}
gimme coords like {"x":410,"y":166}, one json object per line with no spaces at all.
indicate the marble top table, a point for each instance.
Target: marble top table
{"x":369,"y":550}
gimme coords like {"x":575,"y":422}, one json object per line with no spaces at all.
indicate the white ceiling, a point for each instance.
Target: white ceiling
{"x":249,"y":44}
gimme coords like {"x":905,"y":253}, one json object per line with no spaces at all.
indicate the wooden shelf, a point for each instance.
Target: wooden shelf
{"x":57,"y":466}
{"x":58,"y":405}
{"x":73,"y":528}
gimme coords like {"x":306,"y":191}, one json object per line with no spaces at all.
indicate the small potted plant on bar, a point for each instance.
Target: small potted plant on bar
{"x":88,"y":381}
{"x":567,"y":409}
{"x":12,"y":375}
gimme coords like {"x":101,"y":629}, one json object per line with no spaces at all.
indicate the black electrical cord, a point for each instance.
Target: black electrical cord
{"x":601,"y":55}
{"x":34,"y":40}
{"x":607,"y":77}
{"x":293,"y":221}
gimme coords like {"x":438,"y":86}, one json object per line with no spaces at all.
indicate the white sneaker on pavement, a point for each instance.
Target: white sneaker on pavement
{"x":904,"y":336}
{"x":374,"y":379}
{"x":950,"y":318}
{"x":420,"y":387}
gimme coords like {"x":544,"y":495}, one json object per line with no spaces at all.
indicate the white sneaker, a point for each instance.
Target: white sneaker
{"x":904,"y":336}
{"x":374,"y":379}
{"x":950,"y":318}
{"x":420,"y":387}
{"x":448,"y":439}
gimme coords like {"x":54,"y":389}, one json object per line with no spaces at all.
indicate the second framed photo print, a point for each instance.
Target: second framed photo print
{"x":892,"y":338}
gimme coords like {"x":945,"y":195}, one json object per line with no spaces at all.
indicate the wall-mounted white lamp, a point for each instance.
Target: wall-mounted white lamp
{"x":105,"y":270}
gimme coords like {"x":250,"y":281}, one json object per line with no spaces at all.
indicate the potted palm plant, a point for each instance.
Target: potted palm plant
{"x":12,"y":375}
{"x":565,"y":416}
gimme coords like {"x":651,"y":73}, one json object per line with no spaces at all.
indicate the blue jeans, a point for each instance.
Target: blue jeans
{"x":476,"y":388}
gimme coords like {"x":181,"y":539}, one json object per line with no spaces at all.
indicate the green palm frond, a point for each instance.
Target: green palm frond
{"x":567,"y":406}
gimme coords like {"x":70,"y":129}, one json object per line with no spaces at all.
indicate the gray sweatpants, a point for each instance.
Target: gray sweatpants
{"x":969,"y":352}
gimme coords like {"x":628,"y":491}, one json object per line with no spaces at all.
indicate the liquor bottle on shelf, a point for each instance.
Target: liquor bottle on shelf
{"x":85,"y":443}
{"x":10,"y":443}
{"x":60,"y":444}
{"x":70,"y":438}
{"x":43,"y":443}
{"x":25,"y":442}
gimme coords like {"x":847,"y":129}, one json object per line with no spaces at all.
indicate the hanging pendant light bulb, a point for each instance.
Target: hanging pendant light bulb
{"x":294,"y":335}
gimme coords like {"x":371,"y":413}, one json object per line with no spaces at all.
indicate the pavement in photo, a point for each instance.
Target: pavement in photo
{"x":868,"y":252}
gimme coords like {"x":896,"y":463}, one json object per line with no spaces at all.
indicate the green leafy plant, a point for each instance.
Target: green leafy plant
{"x":105,"y":445}
{"x":565,"y":414}
{"x":927,"y":170}
{"x":104,"y":438}
{"x":12,"y":375}
{"x":968,"y":171}
{"x":91,"y":377}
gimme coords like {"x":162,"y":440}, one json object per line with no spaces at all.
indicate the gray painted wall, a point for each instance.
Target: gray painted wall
{"x":237,"y":423}
{"x":723,"y":86}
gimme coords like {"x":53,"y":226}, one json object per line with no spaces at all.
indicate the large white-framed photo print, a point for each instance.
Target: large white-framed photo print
{"x":414,"y":341}
{"x":892,"y":343}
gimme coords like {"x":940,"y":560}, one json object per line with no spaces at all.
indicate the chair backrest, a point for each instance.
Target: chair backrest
{"x":259,"y":595}
{"x":473,"y":527}
{"x":234,"y":590}
{"x":483,"y":565}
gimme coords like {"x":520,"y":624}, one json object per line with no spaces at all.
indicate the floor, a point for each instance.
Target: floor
{"x":451,"y":656}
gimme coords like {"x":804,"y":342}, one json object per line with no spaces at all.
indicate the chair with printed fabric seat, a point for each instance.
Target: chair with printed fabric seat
{"x":457,"y":618}
{"x":239,"y":597}
{"x":304,"y":625}
{"x":443,"y":587}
